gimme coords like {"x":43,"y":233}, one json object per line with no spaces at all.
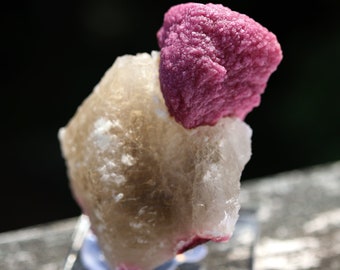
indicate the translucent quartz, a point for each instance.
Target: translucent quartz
{"x":150,"y":187}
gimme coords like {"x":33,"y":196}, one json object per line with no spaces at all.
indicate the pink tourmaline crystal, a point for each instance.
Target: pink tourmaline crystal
{"x":215,"y":62}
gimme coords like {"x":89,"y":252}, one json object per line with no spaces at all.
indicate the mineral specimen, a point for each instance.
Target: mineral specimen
{"x":151,"y":186}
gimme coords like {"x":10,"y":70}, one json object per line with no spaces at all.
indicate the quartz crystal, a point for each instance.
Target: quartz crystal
{"x":151,"y":187}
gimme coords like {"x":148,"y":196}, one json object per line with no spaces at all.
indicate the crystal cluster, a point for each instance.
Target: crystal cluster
{"x":155,"y":153}
{"x":151,"y":187}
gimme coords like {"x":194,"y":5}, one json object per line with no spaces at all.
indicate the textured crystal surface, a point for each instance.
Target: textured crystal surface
{"x":150,"y":186}
{"x":215,"y":62}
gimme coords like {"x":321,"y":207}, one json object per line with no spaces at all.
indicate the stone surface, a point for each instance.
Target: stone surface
{"x":151,"y":187}
{"x":215,"y":62}
{"x":297,"y":211}
{"x":299,"y":214}
{"x":42,"y":247}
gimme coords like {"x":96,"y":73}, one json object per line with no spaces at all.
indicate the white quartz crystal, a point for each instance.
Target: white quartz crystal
{"x":148,"y":185}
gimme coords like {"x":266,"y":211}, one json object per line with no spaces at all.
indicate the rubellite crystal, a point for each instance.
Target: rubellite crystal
{"x":151,"y":187}
{"x":215,"y":62}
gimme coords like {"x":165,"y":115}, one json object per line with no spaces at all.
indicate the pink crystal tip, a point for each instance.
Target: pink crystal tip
{"x":215,"y":62}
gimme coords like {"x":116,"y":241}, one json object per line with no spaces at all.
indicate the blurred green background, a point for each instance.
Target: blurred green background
{"x":53,"y":53}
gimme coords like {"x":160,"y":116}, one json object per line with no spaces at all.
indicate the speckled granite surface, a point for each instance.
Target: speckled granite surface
{"x":42,"y":248}
{"x":298,"y":212}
